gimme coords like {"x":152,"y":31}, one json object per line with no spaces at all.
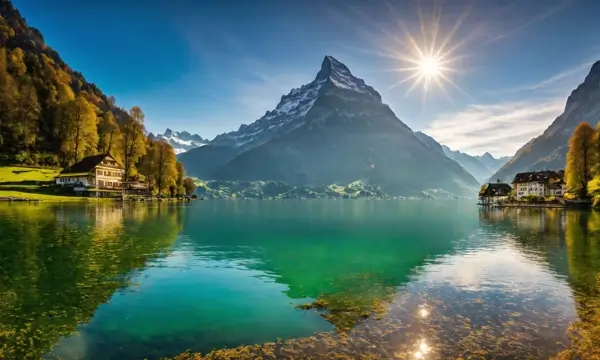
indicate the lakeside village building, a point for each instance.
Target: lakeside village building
{"x":98,"y":176}
{"x":535,"y":183}
{"x":540,"y":183}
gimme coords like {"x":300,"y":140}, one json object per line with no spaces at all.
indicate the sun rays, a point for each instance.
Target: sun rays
{"x":427,"y":59}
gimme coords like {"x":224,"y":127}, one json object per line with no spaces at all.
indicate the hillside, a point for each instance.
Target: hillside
{"x":333,"y":130}
{"x":548,"y":151}
{"x":492,"y":163}
{"x":469,"y":163}
{"x":50,"y":115}
{"x":35,"y":83}
{"x":481,"y":167}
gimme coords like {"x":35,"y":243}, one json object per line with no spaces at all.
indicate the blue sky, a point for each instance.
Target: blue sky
{"x":209,"y":66}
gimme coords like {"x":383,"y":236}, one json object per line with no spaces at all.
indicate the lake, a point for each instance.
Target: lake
{"x":389,"y":279}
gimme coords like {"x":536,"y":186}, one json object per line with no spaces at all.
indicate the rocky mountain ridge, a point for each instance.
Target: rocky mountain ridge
{"x":480,"y":166}
{"x":180,"y":141}
{"x":548,"y":151}
{"x":333,"y":130}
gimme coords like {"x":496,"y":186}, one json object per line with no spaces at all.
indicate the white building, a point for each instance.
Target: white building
{"x":97,"y":175}
{"x":539,"y":183}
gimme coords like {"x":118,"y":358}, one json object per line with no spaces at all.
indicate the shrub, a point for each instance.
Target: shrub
{"x":22,"y":157}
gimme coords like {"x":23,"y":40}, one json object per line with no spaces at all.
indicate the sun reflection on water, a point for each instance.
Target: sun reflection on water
{"x":423,"y":350}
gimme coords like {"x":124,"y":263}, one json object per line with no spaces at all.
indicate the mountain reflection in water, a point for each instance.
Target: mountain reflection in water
{"x":332,"y":279}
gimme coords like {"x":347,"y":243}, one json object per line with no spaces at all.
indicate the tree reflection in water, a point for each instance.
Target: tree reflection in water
{"x":59,"y":263}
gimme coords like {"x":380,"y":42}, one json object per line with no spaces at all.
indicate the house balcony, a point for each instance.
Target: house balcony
{"x":80,"y":187}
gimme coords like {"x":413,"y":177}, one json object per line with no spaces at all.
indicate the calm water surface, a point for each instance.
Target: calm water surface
{"x":422,"y":279}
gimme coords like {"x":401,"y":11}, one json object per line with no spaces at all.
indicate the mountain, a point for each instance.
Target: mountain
{"x":333,"y":130}
{"x":430,"y":142}
{"x":492,"y":163}
{"x":549,"y":150}
{"x":471,"y":163}
{"x":180,"y":141}
{"x":475,"y":165}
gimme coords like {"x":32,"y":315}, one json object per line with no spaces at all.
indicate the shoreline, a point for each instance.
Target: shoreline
{"x":554,"y":206}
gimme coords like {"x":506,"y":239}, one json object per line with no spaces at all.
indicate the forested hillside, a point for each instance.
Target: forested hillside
{"x":50,"y":115}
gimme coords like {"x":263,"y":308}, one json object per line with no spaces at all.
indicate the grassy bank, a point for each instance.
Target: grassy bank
{"x":30,"y":183}
{"x":19,"y":174}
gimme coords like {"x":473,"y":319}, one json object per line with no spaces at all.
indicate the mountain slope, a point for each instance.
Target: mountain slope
{"x":35,"y":82}
{"x":180,"y":141}
{"x":491,"y":162}
{"x":332,"y":130}
{"x":470,"y":163}
{"x":548,"y":151}
{"x":475,"y":165}
{"x":430,"y":142}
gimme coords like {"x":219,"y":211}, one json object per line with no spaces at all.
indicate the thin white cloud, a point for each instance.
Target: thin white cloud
{"x":500,"y":129}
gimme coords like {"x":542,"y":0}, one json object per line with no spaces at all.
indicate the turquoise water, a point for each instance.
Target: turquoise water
{"x":139,"y":281}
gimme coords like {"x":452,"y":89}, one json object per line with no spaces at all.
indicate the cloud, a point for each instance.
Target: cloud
{"x":500,"y":129}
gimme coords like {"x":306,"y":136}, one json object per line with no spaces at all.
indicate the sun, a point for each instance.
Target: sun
{"x":430,"y":67}
{"x":430,"y":58}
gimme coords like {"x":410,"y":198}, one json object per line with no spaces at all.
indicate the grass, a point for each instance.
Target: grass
{"x":25,"y":182}
{"x":44,"y":197}
{"x":17,"y":174}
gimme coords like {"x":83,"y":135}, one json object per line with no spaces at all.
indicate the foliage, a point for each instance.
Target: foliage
{"x":76,"y":129}
{"x":580,"y":159}
{"x":281,"y":190}
{"x":180,"y":177}
{"x":133,"y":140}
{"x":189,"y":186}
{"x":51,"y":115}
{"x":160,"y":167}
{"x":482,"y":189}
{"x":109,"y":135}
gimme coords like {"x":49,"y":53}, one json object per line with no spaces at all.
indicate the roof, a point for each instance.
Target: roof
{"x":61,"y":175}
{"x":86,"y":164}
{"x":496,"y":189}
{"x":537,"y":176}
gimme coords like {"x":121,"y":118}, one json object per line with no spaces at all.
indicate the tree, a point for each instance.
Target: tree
{"x":28,"y":112}
{"x":16,"y":63}
{"x":166,"y":170}
{"x":8,"y":99}
{"x":148,"y":163}
{"x":580,"y":159}
{"x":189,"y":185}
{"x":77,"y":129}
{"x":180,"y":177}
{"x":133,"y":140}
{"x":108,"y":134}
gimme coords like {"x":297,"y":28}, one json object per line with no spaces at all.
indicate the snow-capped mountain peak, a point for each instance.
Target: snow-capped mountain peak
{"x":293,"y":107}
{"x":340,"y":76}
{"x":180,"y":141}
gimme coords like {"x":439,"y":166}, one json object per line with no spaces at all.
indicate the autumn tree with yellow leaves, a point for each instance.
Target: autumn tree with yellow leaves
{"x":581,"y":159}
{"x":51,"y":115}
